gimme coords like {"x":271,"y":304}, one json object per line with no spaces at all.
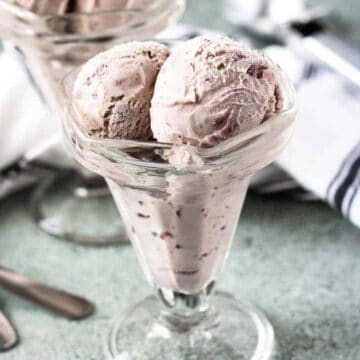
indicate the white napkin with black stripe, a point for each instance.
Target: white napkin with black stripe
{"x":324,"y":153}
{"x":323,"y":156}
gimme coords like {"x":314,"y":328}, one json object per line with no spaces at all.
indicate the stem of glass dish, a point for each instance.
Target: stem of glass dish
{"x":186,"y":312}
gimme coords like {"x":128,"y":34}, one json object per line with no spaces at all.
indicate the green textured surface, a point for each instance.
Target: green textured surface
{"x":297,"y":261}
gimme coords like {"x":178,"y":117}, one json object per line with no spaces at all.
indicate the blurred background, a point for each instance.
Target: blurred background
{"x":345,"y":13}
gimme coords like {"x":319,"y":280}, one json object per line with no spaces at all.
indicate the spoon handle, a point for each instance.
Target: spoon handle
{"x":61,"y":302}
{"x":8,"y":335}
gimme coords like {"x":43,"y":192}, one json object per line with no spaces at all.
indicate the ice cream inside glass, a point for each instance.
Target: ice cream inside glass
{"x":219,"y":112}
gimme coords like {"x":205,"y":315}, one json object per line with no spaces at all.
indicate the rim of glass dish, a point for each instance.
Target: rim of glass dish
{"x":225,"y":151}
{"x":153,"y":13}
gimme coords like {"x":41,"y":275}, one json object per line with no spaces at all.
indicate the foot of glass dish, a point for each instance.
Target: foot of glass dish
{"x":71,"y":207}
{"x":228,"y":330}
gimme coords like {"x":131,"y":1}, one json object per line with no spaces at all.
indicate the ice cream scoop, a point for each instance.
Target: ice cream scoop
{"x":211,"y":89}
{"x":114,"y":4}
{"x":60,"y":7}
{"x":122,"y":14}
{"x":113,"y":91}
{"x":44,"y":7}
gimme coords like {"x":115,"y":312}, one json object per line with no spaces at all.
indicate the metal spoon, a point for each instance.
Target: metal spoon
{"x":59,"y":301}
{"x":8,"y":336}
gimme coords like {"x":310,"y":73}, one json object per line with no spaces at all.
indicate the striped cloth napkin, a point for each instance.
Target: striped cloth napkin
{"x":324,"y":153}
{"x":322,"y":160}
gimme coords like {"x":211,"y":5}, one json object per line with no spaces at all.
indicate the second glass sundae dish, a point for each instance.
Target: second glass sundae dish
{"x":56,"y":36}
{"x":178,"y":136}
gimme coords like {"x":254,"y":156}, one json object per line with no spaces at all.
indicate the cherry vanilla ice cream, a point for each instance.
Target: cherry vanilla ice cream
{"x":44,"y":7}
{"x":212,"y":89}
{"x":61,"y":7}
{"x":113,"y":91}
{"x":207,"y":91}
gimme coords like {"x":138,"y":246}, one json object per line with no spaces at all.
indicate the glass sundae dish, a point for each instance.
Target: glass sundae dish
{"x":181,"y":200}
{"x":55,"y":37}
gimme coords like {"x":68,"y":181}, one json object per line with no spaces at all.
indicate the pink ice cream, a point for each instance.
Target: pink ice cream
{"x":97,"y":15}
{"x":92,"y":5}
{"x":113,"y":91}
{"x":212,"y":89}
{"x":44,"y":7}
{"x":181,"y":225}
{"x":120,"y":16}
{"x":61,"y":7}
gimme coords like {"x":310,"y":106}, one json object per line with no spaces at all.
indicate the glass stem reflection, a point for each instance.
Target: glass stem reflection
{"x":184,"y":312}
